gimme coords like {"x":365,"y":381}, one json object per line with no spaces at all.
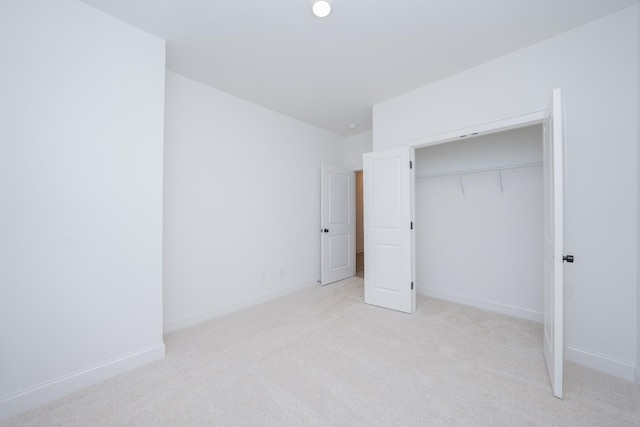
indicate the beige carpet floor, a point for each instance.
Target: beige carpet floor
{"x":321,"y":357}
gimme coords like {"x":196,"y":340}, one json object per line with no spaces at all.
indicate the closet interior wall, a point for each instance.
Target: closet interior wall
{"x":479,"y":221}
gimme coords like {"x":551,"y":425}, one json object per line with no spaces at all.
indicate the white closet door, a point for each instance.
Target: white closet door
{"x":388,"y":229}
{"x":338,"y":217}
{"x":553,"y":242}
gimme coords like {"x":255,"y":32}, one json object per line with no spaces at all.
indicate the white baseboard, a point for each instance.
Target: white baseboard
{"x":580,"y":356}
{"x":194,"y":319}
{"x":56,"y":388}
{"x":602,"y":362}
{"x":498,"y":307}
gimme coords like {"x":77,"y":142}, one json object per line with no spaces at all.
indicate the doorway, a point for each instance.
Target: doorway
{"x":479,"y":221}
{"x":389,"y":227}
{"x":359,"y":225}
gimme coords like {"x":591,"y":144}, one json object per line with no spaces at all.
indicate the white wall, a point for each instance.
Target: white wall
{"x":81,"y":134}
{"x":596,"y":66}
{"x":479,"y":237}
{"x":242,"y":202}
{"x":638,"y":207}
{"x":355,"y":147}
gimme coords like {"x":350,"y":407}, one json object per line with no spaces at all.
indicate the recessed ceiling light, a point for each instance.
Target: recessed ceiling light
{"x":321,"y":8}
{"x":353,"y":125}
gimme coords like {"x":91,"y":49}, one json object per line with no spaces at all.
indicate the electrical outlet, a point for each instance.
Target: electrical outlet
{"x":263,"y":276}
{"x":281,"y":272}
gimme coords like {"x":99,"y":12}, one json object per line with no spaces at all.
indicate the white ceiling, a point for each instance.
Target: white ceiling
{"x":330,"y":72}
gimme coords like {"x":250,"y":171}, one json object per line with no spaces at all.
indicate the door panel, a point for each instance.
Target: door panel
{"x":338,"y":224}
{"x":388,"y":234}
{"x":339,"y":251}
{"x":339,"y":190}
{"x":553,"y":340}
{"x":385,"y":274}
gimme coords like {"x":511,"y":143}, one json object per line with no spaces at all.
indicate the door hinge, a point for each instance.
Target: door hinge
{"x":410,"y":164}
{"x":411,"y":285}
{"x":412,"y":225}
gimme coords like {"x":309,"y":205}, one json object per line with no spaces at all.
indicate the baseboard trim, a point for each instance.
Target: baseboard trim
{"x":590,"y":359}
{"x":194,"y":319}
{"x":32,"y":397}
{"x":498,"y":307}
{"x":602,"y":362}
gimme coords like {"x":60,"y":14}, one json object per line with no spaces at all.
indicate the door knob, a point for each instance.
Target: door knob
{"x":568,"y":258}
{"x":326,"y":230}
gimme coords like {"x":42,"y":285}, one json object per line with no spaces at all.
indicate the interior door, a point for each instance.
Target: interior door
{"x":388,"y":184}
{"x":553,"y":242}
{"x":338,"y":224}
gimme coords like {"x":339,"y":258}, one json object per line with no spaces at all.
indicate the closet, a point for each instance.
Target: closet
{"x":474,"y":216}
{"x":479,"y":221}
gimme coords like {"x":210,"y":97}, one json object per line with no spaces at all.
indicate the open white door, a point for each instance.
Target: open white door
{"x":338,"y":224}
{"x":388,"y":184}
{"x":553,"y":242}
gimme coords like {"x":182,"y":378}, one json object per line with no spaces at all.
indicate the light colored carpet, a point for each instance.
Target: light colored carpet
{"x":322,"y":357}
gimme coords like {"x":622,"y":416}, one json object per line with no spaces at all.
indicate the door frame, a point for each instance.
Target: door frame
{"x":355,"y":170}
{"x":515,"y":122}
{"x":361,"y":223}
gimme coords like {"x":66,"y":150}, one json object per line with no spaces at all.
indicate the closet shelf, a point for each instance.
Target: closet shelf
{"x":490,"y":169}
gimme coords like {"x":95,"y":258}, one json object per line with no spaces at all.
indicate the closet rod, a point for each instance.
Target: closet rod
{"x":492,"y":169}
